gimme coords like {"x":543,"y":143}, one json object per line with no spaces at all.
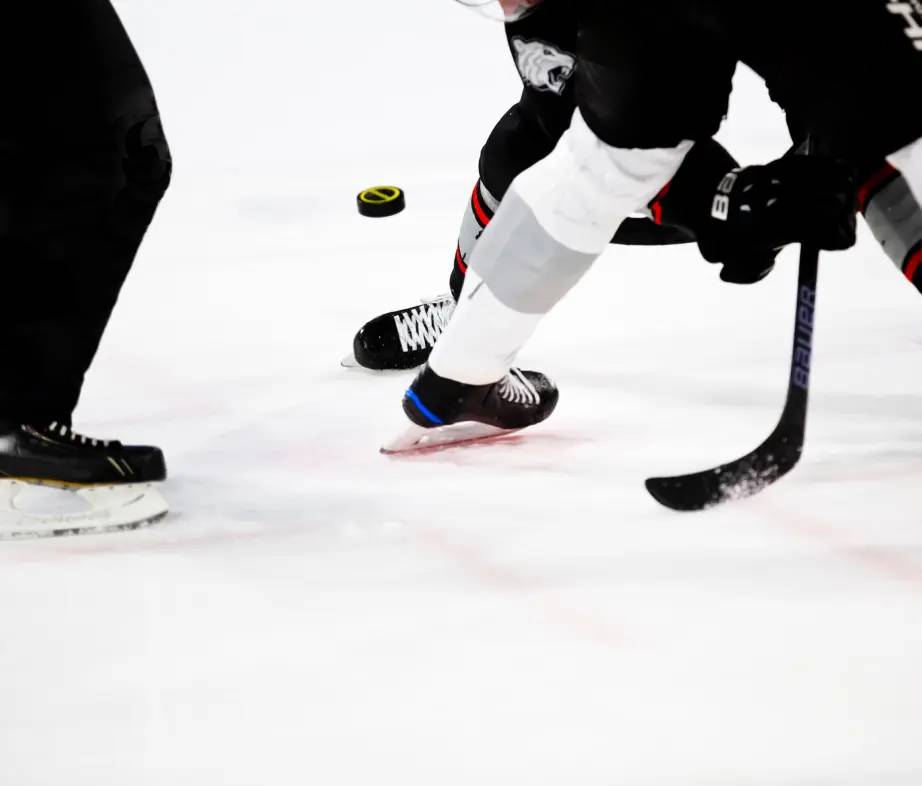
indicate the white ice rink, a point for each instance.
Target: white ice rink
{"x":518,"y":614}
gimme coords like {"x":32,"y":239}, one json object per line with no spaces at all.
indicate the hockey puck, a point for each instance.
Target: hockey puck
{"x":381,"y":201}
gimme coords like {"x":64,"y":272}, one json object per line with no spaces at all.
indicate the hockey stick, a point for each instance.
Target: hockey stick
{"x":779,"y":454}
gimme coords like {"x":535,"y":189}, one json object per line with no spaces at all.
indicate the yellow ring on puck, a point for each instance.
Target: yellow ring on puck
{"x":381,"y":201}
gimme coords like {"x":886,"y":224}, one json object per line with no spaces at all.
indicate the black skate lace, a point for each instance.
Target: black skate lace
{"x":60,"y":430}
{"x":421,"y":326}
{"x":516,"y":388}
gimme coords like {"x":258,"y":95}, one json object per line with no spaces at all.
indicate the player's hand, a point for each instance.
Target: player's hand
{"x":758,"y":210}
{"x":749,"y":268}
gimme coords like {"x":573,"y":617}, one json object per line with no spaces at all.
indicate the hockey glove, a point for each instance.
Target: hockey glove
{"x":748,"y":268}
{"x":685,"y":205}
{"x":760,"y":209}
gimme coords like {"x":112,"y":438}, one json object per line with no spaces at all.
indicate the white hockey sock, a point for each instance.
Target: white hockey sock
{"x":555,"y":220}
{"x":482,"y":339}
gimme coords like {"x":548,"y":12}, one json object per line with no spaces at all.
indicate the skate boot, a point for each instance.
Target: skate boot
{"x":55,"y":455}
{"x":401,"y":340}
{"x":109,"y":479}
{"x":445,"y":412}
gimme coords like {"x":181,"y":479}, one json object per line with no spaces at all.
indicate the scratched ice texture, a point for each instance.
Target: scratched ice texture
{"x":521,"y":613}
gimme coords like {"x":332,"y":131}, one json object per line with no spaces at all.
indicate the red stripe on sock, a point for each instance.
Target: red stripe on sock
{"x":912,"y":266}
{"x":872,"y":185}
{"x":459,"y":261}
{"x":656,"y":205}
{"x":481,"y":214}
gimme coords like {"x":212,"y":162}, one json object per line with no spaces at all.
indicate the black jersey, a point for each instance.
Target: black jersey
{"x":652,"y":74}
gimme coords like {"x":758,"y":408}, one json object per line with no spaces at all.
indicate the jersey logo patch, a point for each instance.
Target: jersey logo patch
{"x":542,"y":66}
{"x":910,"y":12}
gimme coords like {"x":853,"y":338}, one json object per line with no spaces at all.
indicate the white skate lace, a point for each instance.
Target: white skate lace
{"x":60,"y":430}
{"x":421,"y":327}
{"x":516,"y":387}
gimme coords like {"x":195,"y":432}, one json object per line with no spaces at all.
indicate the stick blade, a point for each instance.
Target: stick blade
{"x":703,"y":490}
{"x":739,"y":479}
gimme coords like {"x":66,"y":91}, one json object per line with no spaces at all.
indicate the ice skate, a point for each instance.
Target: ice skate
{"x":401,"y":340}
{"x":445,"y":412}
{"x":55,"y":481}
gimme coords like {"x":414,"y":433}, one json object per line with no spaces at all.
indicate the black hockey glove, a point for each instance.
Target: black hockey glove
{"x":685,"y":205}
{"x":750,"y":266}
{"x":758,"y":210}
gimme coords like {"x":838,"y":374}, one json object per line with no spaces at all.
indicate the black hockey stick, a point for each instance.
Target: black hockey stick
{"x":780,"y":452}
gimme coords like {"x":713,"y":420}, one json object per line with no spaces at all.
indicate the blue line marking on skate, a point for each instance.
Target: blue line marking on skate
{"x":423,"y":408}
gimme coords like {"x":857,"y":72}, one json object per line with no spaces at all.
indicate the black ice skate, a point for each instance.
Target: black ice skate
{"x":445,"y":412}
{"x":109,"y":479}
{"x":401,"y":340}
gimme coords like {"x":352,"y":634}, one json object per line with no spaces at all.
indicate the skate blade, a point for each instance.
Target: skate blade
{"x":416,"y":439}
{"x":351,"y":363}
{"x":47,"y":510}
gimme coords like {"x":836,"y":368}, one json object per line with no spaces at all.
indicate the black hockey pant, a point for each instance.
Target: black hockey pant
{"x":83,"y":166}
{"x":543,"y":45}
{"x":653,"y":74}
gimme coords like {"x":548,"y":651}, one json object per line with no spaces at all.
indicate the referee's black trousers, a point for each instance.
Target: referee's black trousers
{"x":83,"y":166}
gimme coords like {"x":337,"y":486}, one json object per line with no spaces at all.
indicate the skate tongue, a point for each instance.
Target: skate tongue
{"x":33,"y":511}
{"x":418,"y":439}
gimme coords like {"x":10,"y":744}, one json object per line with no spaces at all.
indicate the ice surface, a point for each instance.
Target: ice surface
{"x":523,"y":613}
